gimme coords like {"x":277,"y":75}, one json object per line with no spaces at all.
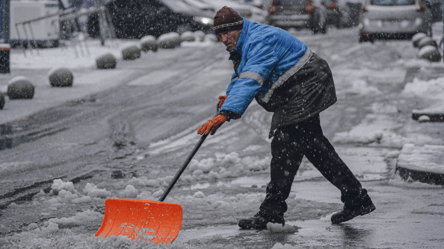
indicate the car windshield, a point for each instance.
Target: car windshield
{"x":289,"y":2}
{"x":392,"y":2}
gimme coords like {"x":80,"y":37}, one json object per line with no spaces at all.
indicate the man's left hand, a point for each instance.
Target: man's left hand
{"x":212,"y":125}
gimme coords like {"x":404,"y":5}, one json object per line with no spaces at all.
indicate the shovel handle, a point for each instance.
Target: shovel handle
{"x":184,"y":165}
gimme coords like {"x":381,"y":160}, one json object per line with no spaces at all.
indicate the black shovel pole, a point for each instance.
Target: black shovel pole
{"x":184,"y":165}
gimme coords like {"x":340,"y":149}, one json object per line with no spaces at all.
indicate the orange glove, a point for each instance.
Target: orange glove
{"x":212,"y":125}
{"x":221,"y":101}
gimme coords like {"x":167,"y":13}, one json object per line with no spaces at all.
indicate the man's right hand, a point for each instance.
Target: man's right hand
{"x":221,"y":101}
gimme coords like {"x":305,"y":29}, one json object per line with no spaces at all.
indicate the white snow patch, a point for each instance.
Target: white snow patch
{"x":197,"y":43}
{"x":130,"y":191}
{"x":13,"y":166}
{"x":78,"y":219}
{"x":375,"y":130}
{"x":172,"y":36}
{"x":423,"y":118}
{"x":148,"y":38}
{"x":224,"y":166}
{"x":282,"y":246}
{"x":92,"y":191}
{"x":427,"y":49}
{"x":253,"y":148}
{"x":17,"y":78}
{"x":432,"y":89}
{"x":82,"y":199}
{"x":59,"y":185}
{"x":360,"y":87}
{"x":82,"y":56}
{"x":199,"y":194}
{"x":427,"y":158}
{"x":278,"y":228}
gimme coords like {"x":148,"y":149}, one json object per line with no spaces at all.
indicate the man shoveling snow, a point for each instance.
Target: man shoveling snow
{"x":286,"y":78}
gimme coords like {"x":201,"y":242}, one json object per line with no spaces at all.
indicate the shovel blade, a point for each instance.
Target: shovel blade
{"x":141,"y":220}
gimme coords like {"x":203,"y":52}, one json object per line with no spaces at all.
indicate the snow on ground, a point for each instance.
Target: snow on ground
{"x":376,"y":130}
{"x":79,"y":54}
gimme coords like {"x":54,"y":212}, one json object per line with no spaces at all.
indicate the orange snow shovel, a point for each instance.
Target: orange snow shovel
{"x":145,"y":220}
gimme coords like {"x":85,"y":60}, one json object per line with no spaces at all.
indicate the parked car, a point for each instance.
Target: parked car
{"x":258,"y":11}
{"x":338,"y":13}
{"x":243,"y":10}
{"x":435,"y":8}
{"x":310,"y":14}
{"x":202,"y":5}
{"x":394,"y":19}
{"x":355,"y":7}
{"x":133,"y":19}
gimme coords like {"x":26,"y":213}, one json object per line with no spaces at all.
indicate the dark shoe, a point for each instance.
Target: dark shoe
{"x":350,"y":212}
{"x":259,"y":221}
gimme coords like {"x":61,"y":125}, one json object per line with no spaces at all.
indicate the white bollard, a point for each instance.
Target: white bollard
{"x":430,"y":53}
{"x":169,"y":40}
{"x":20,"y":87}
{"x":130,"y":52}
{"x":106,"y":61}
{"x":427,"y":41}
{"x":416,"y":38}
{"x":148,"y":43}
{"x":60,"y":77}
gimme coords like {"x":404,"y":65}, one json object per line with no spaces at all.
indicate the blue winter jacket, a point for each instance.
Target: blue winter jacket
{"x":267,"y":53}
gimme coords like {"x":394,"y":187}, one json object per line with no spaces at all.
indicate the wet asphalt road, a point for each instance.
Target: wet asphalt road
{"x":100,"y":136}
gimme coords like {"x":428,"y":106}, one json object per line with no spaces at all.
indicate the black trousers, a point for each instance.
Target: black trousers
{"x":289,"y":145}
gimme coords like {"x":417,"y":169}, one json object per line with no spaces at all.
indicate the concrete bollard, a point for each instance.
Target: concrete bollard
{"x":427,"y":41}
{"x":60,"y":77}
{"x":2,"y":100}
{"x":148,"y":43}
{"x":106,"y":61}
{"x":200,"y":35}
{"x":430,"y":53}
{"x":130,"y":52}
{"x":169,"y":40}
{"x":187,"y":36}
{"x":416,"y":38}
{"x":211,"y":37}
{"x":20,"y":87}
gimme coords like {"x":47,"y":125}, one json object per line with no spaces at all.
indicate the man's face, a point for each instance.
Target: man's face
{"x":229,"y":38}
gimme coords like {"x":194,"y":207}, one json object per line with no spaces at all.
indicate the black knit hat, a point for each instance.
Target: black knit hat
{"x":227,"y":19}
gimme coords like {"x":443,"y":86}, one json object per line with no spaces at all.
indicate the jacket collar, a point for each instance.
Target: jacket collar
{"x":242,"y":38}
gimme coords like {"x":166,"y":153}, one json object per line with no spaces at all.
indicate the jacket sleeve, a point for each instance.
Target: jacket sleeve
{"x":261,"y":60}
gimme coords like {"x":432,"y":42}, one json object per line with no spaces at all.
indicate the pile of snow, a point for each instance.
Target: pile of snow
{"x":375,"y":130}
{"x":81,"y":56}
{"x":432,"y":89}
{"x":360,"y":87}
{"x":225,"y":205}
{"x":77,"y":220}
{"x":59,"y":185}
{"x":130,"y":192}
{"x":64,"y":192}
{"x":224,"y":166}
{"x":210,"y":169}
{"x":92,"y":191}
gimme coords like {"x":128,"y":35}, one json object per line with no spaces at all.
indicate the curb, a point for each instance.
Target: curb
{"x":423,"y":164}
